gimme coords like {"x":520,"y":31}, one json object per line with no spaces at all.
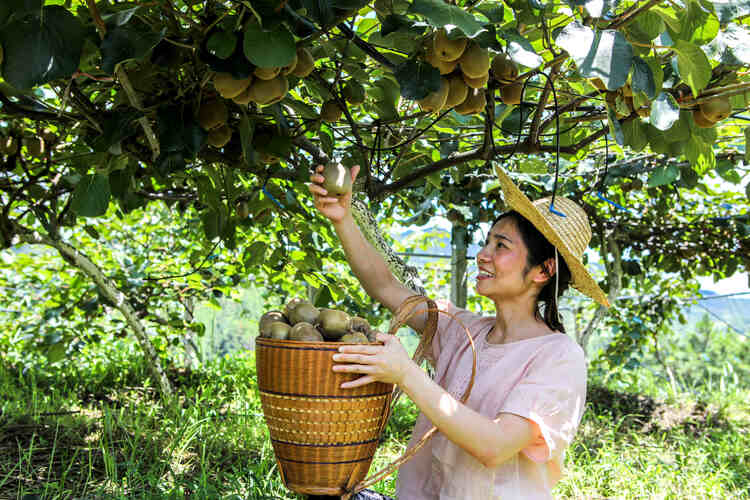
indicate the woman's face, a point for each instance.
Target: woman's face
{"x":502,"y":263}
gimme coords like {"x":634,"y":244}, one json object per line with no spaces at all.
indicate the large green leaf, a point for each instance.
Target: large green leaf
{"x":664,"y":111}
{"x":728,"y":10}
{"x":18,"y":9}
{"x":417,"y":79}
{"x":439,"y":13}
{"x":643,"y":78}
{"x":614,"y":127}
{"x":747,"y":146}
{"x":598,"y":54}
{"x":646,"y":27}
{"x":131,"y":41}
{"x":41,"y":47}
{"x":662,"y":175}
{"x":268,"y":49}
{"x":91,"y":196}
{"x":697,"y":25}
{"x":634,"y":132}
{"x":222,"y":44}
{"x":694,"y":67}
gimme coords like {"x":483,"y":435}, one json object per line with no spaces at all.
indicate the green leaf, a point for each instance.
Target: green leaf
{"x":247,"y":129}
{"x":91,"y":196}
{"x":697,"y":25}
{"x":634,"y":132}
{"x":438,"y":14}
{"x":520,"y":49}
{"x":222,"y":44}
{"x":663,"y":175}
{"x":41,"y":47}
{"x":747,"y":146}
{"x":669,"y":16}
{"x":727,"y":10}
{"x":694,"y":67}
{"x":132,"y":41}
{"x":267,"y":49}
{"x":494,"y":12}
{"x":602,"y":54}
{"x":18,"y":9}
{"x":726,"y":171}
{"x":417,"y":79}
{"x":647,"y":26}
{"x":614,"y":126}
{"x":664,"y":111}
{"x":643,"y":78}
{"x":700,"y":154}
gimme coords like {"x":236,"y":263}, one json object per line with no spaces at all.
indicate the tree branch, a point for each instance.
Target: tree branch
{"x":110,"y":291}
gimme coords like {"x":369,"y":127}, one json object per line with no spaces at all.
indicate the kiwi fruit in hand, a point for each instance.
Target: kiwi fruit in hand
{"x":355,"y":338}
{"x":338,"y":179}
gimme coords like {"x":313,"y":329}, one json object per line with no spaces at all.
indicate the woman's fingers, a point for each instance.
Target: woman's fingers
{"x":362,"y":349}
{"x":367,"y":379}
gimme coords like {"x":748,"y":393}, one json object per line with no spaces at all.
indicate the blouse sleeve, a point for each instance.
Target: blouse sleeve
{"x":552,"y":394}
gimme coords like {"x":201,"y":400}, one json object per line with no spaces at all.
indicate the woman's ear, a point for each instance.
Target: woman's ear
{"x":545,"y":271}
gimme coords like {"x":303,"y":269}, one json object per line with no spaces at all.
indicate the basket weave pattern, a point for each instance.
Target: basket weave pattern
{"x":324,"y":437}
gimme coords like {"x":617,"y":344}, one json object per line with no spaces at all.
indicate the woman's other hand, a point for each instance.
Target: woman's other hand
{"x":335,"y":208}
{"x":389,"y":363}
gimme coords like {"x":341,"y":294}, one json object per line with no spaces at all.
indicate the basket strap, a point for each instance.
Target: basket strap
{"x":404,"y":312}
{"x":425,"y":340}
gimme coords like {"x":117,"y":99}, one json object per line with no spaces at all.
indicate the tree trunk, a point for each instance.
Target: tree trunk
{"x":458,"y":265}
{"x":115,"y":296}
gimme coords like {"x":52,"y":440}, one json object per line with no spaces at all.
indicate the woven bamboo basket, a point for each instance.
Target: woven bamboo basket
{"x":324,"y":437}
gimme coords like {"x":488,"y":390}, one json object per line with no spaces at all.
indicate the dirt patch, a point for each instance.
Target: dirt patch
{"x":647,"y":414}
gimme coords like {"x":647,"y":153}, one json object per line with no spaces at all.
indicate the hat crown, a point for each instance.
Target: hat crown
{"x":574,"y":229}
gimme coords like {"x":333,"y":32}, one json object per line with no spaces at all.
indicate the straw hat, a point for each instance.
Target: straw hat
{"x":570,"y":234}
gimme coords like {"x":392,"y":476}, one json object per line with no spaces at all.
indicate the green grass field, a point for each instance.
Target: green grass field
{"x":97,"y":430}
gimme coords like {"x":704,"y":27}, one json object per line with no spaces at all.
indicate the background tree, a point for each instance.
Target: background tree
{"x":222,"y":109}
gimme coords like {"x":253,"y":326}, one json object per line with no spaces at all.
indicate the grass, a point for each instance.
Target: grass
{"x":97,"y":430}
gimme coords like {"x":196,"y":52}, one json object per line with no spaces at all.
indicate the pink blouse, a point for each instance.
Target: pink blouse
{"x":542,"y":379}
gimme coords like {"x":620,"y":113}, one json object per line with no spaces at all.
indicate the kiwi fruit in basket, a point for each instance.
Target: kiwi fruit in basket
{"x":305,"y":332}
{"x":355,"y":338}
{"x":280,"y":330}
{"x":303,"y":312}
{"x":291,"y":305}
{"x":264,"y":324}
{"x":333,"y":323}
{"x":357,"y":324}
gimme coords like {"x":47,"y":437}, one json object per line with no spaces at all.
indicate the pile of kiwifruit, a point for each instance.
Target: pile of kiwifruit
{"x":465,"y":69}
{"x":302,"y":321}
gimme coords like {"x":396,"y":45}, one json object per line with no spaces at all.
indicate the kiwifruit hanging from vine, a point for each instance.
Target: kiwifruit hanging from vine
{"x":265,"y":321}
{"x":504,"y":69}
{"x":474,"y":103}
{"x":285,"y":70}
{"x":305,"y":332}
{"x":330,"y":111}
{"x":242,"y":209}
{"x":212,"y":114}
{"x":35,"y":146}
{"x":267,"y":92}
{"x":444,"y":67}
{"x":716,"y":109}
{"x":477,"y":83}
{"x":457,"y":91}
{"x":338,"y":179}
{"x":219,"y":136}
{"x":435,"y":101}
{"x":700,"y":120}
{"x":448,"y":49}
{"x":244,"y":98}
{"x":280,"y":330}
{"x":355,"y":338}
{"x":267,"y":73}
{"x":229,"y":87}
{"x":511,"y":94}
{"x":333,"y":323}
{"x":475,"y":61}
{"x":305,"y":63}
{"x":304,"y":312}
{"x":354,"y":93}
{"x":8,"y":145}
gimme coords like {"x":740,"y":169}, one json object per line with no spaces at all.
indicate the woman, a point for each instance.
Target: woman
{"x":508,"y":440}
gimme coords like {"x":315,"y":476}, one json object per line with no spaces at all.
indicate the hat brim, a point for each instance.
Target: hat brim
{"x":581,"y":279}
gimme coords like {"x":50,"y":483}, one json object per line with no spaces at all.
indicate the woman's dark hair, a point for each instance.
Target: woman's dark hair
{"x":539,"y":251}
